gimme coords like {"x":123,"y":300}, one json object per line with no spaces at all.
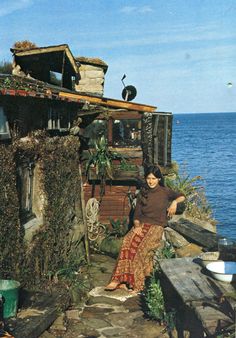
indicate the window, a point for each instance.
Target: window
{"x":55,"y":78}
{"x":4,"y":126}
{"x":95,"y":130}
{"x":25,"y":184}
{"x":58,"y":120}
{"x":126,"y":132}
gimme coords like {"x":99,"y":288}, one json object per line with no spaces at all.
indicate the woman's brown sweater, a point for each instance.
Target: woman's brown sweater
{"x":153,"y":210}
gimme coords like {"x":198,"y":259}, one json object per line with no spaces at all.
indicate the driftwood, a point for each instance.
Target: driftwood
{"x":195,"y":233}
{"x":33,"y":319}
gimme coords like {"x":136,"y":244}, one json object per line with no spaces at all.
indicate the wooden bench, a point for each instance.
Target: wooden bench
{"x":201,"y":293}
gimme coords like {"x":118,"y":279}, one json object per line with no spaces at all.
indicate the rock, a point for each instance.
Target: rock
{"x":119,"y":319}
{"x":73,"y":314}
{"x":103,"y":300}
{"x":111,"y":246}
{"x":96,"y":323}
{"x":95,"y":312}
{"x":150,"y":329}
{"x":115,"y":332}
{"x":174,"y":238}
{"x":132,"y":304}
{"x":47,"y":334}
{"x":189,"y":250}
{"x":59,"y":324}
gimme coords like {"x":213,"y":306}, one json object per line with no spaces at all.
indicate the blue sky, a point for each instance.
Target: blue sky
{"x":179,"y":54}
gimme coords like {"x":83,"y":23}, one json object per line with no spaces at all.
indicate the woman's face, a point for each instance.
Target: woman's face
{"x":152,"y":181}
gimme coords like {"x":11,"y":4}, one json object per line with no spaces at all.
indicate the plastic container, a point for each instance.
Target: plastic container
{"x":9,"y":292}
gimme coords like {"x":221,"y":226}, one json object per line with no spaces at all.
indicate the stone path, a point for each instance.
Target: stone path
{"x":105,"y":313}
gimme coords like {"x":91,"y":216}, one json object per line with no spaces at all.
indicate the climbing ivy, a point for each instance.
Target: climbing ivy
{"x":11,"y":232}
{"x":51,"y":247}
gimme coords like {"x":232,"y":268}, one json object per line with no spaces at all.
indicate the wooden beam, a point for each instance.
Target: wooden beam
{"x":195,"y":233}
{"x":165,"y":148}
{"x":108,"y":102}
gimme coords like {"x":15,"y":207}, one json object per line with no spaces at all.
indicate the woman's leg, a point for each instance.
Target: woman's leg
{"x":134,"y":261}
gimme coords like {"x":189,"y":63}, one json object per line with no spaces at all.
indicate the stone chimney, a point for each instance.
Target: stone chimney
{"x":92,"y":72}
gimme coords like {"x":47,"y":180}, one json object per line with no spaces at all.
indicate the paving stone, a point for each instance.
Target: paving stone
{"x":115,"y":332}
{"x":116,"y":314}
{"x":91,"y":312}
{"x":149,"y":329}
{"x":103,"y":300}
{"x":79,"y":329}
{"x":96,"y":323}
{"x":133,"y":304}
{"x":123,"y":320}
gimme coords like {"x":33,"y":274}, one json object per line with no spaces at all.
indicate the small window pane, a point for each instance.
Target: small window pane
{"x":4,"y":127}
{"x":126,"y":132}
{"x":95,"y":130}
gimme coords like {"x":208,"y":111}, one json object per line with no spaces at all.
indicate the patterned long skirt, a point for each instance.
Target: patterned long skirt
{"x":135,"y":260}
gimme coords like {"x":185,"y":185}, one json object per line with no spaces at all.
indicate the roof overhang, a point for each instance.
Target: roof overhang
{"x":108,"y":102}
{"x":54,"y":56}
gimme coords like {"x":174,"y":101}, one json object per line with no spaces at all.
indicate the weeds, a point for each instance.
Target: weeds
{"x":119,"y":227}
{"x":196,"y":204}
{"x":154,"y":304}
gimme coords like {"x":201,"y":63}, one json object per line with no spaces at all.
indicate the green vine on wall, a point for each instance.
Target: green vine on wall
{"x":52,"y":247}
{"x":11,"y":232}
{"x":59,"y":162}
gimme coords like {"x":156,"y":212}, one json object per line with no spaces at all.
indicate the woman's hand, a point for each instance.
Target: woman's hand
{"x":172,"y":209}
{"x":137,"y":227}
{"x":138,"y":230}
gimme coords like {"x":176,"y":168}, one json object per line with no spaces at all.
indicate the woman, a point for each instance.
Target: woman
{"x":155,"y":203}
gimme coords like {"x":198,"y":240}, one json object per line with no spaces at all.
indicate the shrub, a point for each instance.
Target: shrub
{"x":196,"y":203}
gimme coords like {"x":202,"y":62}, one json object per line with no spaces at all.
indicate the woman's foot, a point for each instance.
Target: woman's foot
{"x":122,"y":287}
{"x":112,"y":286}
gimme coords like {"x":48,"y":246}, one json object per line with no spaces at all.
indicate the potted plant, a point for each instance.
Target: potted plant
{"x":100,"y":165}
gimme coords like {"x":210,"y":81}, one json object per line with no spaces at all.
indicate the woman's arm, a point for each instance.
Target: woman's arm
{"x":173,"y":206}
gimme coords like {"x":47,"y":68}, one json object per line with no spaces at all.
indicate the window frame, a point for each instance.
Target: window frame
{"x":4,"y":135}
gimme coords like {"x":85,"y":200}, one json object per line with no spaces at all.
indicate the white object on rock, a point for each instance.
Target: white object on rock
{"x":223,"y":271}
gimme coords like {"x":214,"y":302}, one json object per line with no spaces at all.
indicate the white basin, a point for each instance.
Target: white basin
{"x":223,"y":271}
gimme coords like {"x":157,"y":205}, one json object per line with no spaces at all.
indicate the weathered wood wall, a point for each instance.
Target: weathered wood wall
{"x":115,"y":202}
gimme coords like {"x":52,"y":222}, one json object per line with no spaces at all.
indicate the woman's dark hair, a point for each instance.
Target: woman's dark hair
{"x":151,"y":169}
{"x":155,"y":170}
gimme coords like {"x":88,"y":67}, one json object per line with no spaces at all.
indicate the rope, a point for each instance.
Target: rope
{"x":95,"y":228}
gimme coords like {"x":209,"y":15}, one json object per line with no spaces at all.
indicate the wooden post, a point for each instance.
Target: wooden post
{"x":165,"y":148}
{"x":155,"y":140}
{"x":86,"y":239}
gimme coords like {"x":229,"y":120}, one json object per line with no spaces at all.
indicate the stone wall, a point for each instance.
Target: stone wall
{"x":92,"y":73}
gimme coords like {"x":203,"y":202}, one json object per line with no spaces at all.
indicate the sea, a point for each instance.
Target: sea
{"x":204,"y":144}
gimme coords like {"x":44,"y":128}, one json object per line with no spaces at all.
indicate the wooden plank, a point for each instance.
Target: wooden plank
{"x":195,"y":233}
{"x":187,"y":279}
{"x":213,"y":320}
{"x":109,"y":102}
{"x":206,"y":296}
{"x":32,"y":321}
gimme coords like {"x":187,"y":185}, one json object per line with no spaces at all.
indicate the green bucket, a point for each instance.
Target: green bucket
{"x":9,"y":292}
